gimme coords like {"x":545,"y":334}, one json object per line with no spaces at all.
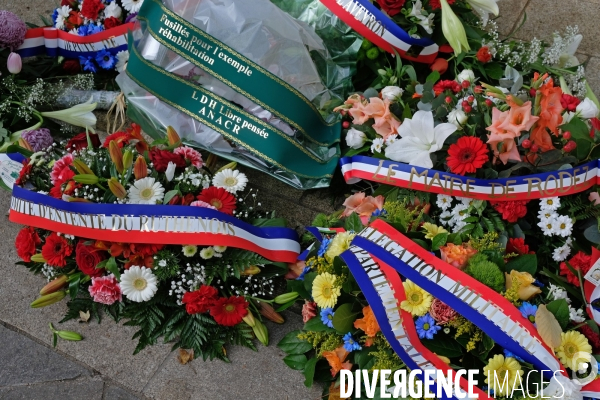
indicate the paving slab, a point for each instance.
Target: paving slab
{"x":511,"y":14}
{"x":88,"y":389}
{"x":116,"y":393}
{"x":30,"y":10}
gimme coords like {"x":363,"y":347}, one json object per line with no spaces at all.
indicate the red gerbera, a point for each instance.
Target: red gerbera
{"x":466,"y":155}
{"x":579,"y":262}
{"x":436,"y":5}
{"x":122,"y":138}
{"x":442,"y":86}
{"x":200,"y":300}
{"x":219,"y":198}
{"x":26,"y":242}
{"x":56,"y":250}
{"x":229,"y":311}
{"x":517,"y":245}
{"x":511,"y":210}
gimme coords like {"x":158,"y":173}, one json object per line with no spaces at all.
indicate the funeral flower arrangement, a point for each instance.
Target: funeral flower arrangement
{"x":200,"y":296}
{"x":528,"y":258}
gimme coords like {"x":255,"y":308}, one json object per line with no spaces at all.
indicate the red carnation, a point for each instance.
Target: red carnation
{"x":517,"y":245}
{"x":149,"y":249}
{"x":442,"y":86}
{"x":91,"y":8}
{"x":441,"y":312}
{"x":88,"y":257}
{"x":201,"y":300}
{"x":467,"y":155}
{"x":484,"y":55}
{"x":219,"y":198}
{"x":71,"y":67}
{"x":569,"y":102}
{"x":26,"y":242}
{"x":122,"y":139}
{"x":592,"y":336}
{"x":436,"y":5}
{"x":24,"y":173}
{"x":579,"y":262}
{"x":111,"y":22}
{"x":79,"y":142}
{"x":511,"y":210}
{"x":161,"y":159}
{"x":391,"y":7}
{"x":56,"y":250}
{"x":229,"y":311}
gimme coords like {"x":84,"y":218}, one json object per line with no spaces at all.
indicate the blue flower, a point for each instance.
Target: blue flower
{"x":105,"y":59}
{"x":95,"y":29}
{"x":54,"y":16}
{"x":528,"y":310}
{"x":327,"y":317}
{"x":350,"y":344}
{"x":378,"y":212}
{"x":426,"y":327}
{"x":83,"y":30}
{"x":88,"y":64}
{"x":324,"y":245}
{"x":305,"y":271}
{"x":508,"y":353}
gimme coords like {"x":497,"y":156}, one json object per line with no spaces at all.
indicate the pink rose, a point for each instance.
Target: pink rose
{"x":105,"y":290}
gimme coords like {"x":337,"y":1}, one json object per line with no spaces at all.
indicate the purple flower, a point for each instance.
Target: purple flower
{"x":12,"y":30}
{"x":131,"y":17}
{"x":39,"y":139}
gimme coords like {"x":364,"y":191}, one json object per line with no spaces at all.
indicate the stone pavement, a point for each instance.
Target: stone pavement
{"x":102,"y":365}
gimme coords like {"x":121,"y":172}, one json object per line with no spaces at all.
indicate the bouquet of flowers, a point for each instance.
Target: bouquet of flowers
{"x":107,"y":231}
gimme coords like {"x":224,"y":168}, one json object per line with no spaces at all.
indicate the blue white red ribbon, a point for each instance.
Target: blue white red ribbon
{"x":529,"y":187}
{"x":129,"y":223}
{"x":55,"y":42}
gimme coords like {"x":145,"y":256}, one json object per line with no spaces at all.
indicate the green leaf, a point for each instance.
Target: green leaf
{"x":308,"y":281}
{"x":111,"y":266}
{"x":281,"y":222}
{"x":344,"y":317}
{"x":298,"y":287}
{"x":439,"y":240}
{"x":592,"y":234}
{"x":523,"y":263}
{"x":578,"y":129}
{"x":309,"y":371}
{"x":593,"y":326}
{"x":54,"y":339}
{"x":169,"y":195}
{"x":560,"y":309}
{"x":316,"y":325}
{"x":494,"y":70}
{"x":292,"y":345}
{"x":295,"y":361}
{"x":444,"y":346}
{"x":285,"y":306}
{"x":433,"y":77}
{"x":353,"y":223}
{"x":353,"y":152}
{"x":583,"y":148}
{"x":74,"y":281}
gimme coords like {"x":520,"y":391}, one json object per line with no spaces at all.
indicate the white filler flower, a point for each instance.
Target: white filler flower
{"x":138,"y":284}
{"x":230,"y":180}
{"x":146,"y":191}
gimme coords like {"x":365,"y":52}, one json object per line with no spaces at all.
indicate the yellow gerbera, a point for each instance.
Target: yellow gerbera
{"x":324,"y":292}
{"x":574,"y":349}
{"x":339,"y":244}
{"x":432,"y":230}
{"x":503,"y":374}
{"x":417,"y":300}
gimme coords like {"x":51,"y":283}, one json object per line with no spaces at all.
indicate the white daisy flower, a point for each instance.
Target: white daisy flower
{"x":548,"y":228}
{"x":391,"y":139}
{"x":576,"y":315}
{"x":138,"y":284}
{"x":190,"y":250}
{"x":122,"y":58}
{"x":558,"y":293}
{"x":170,"y":172}
{"x":112,"y":10}
{"x":547,"y":214}
{"x":132,"y":6}
{"x":146,"y":191}
{"x":230,"y":180}
{"x":563,"y":226}
{"x":207,"y":253}
{"x":377,"y":145}
{"x":466,"y":201}
{"x":561,"y":253}
{"x":551,"y":203}
{"x":444,"y":202}
{"x":446,"y":218}
{"x":220,"y":249}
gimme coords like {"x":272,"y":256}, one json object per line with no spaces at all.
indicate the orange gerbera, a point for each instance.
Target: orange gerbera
{"x":368,"y":323}
{"x":336,"y":360}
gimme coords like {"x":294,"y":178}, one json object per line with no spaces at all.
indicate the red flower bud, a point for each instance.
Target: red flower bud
{"x":440,"y":65}
{"x":526,"y":143}
{"x":466,"y":84}
{"x":471,"y":99}
{"x":448,"y":99}
{"x":532,"y":92}
{"x":488,"y":102}
{"x":346,"y":124}
{"x":467,"y":108}
{"x":535,"y":148}
{"x":567,"y":135}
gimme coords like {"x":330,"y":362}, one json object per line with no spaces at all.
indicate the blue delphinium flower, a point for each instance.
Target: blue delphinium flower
{"x":528,"y":310}
{"x":327,"y":317}
{"x":350,"y":344}
{"x":88,"y":64}
{"x":378,"y":212}
{"x":83,"y":30}
{"x":426,"y":326}
{"x":324,"y":246}
{"x":105,"y":59}
{"x":54,"y":16}
{"x":305,"y":271}
{"x":508,"y":353}
{"x":93,"y":28}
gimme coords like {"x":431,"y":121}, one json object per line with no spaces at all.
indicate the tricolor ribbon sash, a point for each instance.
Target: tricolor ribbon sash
{"x":529,"y":187}
{"x":130,"y":223}
{"x":378,"y":28}
{"x":55,"y":42}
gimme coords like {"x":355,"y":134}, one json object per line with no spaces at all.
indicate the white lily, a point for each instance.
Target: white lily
{"x":453,"y":29}
{"x":79,"y":115}
{"x":419,"y":138}
{"x":567,"y":58}
{"x":425,"y":20}
{"x":484,"y":8}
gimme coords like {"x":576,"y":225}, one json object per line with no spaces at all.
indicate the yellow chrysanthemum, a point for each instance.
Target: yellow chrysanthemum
{"x":432,"y":230}
{"x":503,"y":374}
{"x":574,"y":349}
{"x":339,"y":244}
{"x":324,"y":292}
{"x":417,"y":300}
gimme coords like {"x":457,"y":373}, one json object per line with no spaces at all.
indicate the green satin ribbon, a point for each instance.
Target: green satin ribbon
{"x":238,"y":72}
{"x":234,"y":124}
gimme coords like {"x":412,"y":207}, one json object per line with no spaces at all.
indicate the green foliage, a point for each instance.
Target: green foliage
{"x":166,"y":265}
{"x":239,"y":260}
{"x":486,"y":272}
{"x":83,"y":303}
{"x":402,"y":216}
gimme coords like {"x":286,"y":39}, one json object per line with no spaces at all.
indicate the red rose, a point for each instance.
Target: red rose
{"x":78,"y":142}
{"x":161,"y":159}
{"x":517,"y":245}
{"x":111,"y":22}
{"x":91,"y":8}
{"x":200,"y":300}
{"x":72,"y":67}
{"x":26,"y":242}
{"x":511,"y":210}
{"x":391,"y":7}
{"x":579,"y":262}
{"x":56,"y":250}
{"x":569,"y":102}
{"x":87,"y":257}
{"x":484,"y":55}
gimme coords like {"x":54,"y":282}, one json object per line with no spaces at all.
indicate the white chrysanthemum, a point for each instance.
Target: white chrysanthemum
{"x":170,"y":172}
{"x":220,"y":249}
{"x":466,"y":201}
{"x":377,"y":145}
{"x":548,"y":228}
{"x":146,"y":191}
{"x":190,"y":250}
{"x":564,"y":226}
{"x":446,"y":218}
{"x":230,"y":180}
{"x":138,"y":284}
{"x":112,"y":10}
{"x":547,"y":214}
{"x":561,"y":253}
{"x":132,"y":6}
{"x":207,"y":253}
{"x":576,"y":315}
{"x":444,"y":202}
{"x":122,"y":58}
{"x":558,"y":293}
{"x":551,"y":203}
{"x":391,"y":139}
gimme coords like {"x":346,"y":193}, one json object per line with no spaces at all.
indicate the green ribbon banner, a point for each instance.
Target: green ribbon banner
{"x":238,"y":72}
{"x":235,"y":124}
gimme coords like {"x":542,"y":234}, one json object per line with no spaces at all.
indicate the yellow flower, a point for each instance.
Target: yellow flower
{"x":524,"y":282}
{"x":574,"y":349}
{"x":417,"y":300}
{"x":432,"y":230}
{"x":339,"y":244}
{"x":324,"y":291}
{"x":503,"y":374}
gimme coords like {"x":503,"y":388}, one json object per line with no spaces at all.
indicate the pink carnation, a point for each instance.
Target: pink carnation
{"x":441,"y":312}
{"x":191,"y":155}
{"x":105,"y":290}
{"x":309,"y":310}
{"x":61,"y":171}
{"x":200,"y":203}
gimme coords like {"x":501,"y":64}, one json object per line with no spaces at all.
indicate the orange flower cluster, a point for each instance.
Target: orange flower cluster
{"x":337,"y":360}
{"x":368,"y":324}
{"x":457,"y":255}
{"x":362,"y":110}
{"x":550,"y":113}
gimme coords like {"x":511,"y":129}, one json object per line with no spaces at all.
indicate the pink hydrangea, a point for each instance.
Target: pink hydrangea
{"x":190,"y":155}
{"x":105,"y":290}
{"x":61,"y":171}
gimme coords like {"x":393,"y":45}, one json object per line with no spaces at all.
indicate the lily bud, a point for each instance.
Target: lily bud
{"x":24,"y":144}
{"x":286,"y":297}
{"x":127,"y":159}
{"x":116,"y":155}
{"x":69,"y":335}
{"x":251,"y":270}
{"x":48,"y":299}
{"x":140,"y":169}
{"x":82,"y":167}
{"x":54,"y":285}
{"x":231,"y":165}
{"x":172,"y":135}
{"x":453,"y":29}
{"x":249,"y":319}
{"x":260,"y":330}
{"x":116,"y":188}
{"x":267,"y":311}
{"x":14,"y":63}
{"x":38,"y":258}
{"x":86,"y":179}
